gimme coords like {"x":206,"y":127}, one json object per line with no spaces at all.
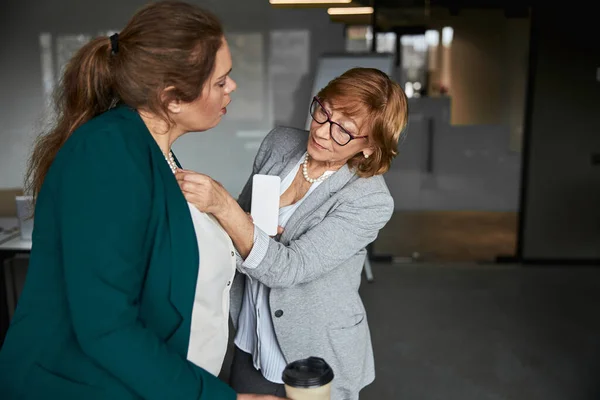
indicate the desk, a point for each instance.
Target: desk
{"x":15,"y":245}
{"x":9,"y":228}
{"x":11,"y":245}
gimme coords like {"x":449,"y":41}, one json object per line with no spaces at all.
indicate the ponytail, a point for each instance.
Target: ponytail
{"x":85,"y":90}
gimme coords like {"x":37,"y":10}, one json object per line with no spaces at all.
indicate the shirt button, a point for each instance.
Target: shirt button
{"x":228,"y":283}
{"x":278,"y":313}
{"x":232,"y":254}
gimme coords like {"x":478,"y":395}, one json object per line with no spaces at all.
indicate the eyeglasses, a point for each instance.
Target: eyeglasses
{"x":337,"y":133}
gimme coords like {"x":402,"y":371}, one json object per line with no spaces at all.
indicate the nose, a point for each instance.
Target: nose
{"x":231,"y":86}
{"x":322,"y":131}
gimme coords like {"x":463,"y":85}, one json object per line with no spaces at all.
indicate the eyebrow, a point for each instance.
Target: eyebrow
{"x":224,"y":75}
{"x":346,"y":118}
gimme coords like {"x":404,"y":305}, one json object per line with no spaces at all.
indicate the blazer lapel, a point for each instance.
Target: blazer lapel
{"x":283,"y":165}
{"x":185,"y":257}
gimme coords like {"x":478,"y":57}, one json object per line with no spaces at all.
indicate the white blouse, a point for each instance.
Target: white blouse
{"x":210,"y":313}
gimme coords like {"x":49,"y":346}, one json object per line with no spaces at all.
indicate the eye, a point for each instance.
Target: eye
{"x":222,"y":82}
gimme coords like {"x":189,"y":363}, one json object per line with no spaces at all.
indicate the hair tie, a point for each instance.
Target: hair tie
{"x":114,"y":43}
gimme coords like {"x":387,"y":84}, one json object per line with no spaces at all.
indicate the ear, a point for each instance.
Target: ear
{"x":368,"y":152}
{"x":174,"y":104}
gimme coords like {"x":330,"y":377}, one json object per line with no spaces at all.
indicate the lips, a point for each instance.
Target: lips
{"x":224,"y":109}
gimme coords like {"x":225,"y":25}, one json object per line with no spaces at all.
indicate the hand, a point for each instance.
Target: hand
{"x":279,"y":228}
{"x":258,"y":397}
{"x":206,"y":194}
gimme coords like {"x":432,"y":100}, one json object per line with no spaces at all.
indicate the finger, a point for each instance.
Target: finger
{"x":279,"y":230}
{"x":189,"y":187}
{"x":191,"y":176}
{"x":192,"y":197}
{"x":197,"y":187}
{"x":196,"y":177}
{"x":180,"y":174}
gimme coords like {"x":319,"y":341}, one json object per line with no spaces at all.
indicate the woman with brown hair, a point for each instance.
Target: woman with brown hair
{"x":127,"y":293}
{"x":297,"y":294}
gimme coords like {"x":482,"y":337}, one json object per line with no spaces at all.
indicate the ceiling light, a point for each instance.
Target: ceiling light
{"x":432,"y":37}
{"x":447,"y":35}
{"x":309,"y":1}
{"x":350,"y":11}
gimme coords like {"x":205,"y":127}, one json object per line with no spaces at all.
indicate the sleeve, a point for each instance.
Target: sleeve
{"x":104,"y":211}
{"x":259,"y":249}
{"x":344,"y":232}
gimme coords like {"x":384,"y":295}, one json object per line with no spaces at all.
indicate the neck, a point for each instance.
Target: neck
{"x":164,"y":135}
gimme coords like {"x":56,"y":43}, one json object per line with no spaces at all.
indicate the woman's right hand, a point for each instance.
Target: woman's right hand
{"x":258,"y":397}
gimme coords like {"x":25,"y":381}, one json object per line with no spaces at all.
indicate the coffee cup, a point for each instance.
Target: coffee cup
{"x":308,"y":379}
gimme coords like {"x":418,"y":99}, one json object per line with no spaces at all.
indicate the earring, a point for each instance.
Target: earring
{"x":366,"y":155}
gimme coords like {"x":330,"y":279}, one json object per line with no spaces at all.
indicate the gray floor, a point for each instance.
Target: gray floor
{"x":479,"y":332}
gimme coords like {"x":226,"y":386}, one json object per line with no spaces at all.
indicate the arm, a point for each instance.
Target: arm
{"x":343,"y":233}
{"x":104,"y":208}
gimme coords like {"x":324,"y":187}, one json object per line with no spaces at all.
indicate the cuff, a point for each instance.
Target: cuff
{"x":259,"y":249}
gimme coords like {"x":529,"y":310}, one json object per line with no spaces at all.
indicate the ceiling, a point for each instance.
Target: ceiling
{"x":396,"y":14}
{"x":446,"y":3}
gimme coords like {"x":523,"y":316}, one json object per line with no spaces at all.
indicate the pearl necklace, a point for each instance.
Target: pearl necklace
{"x":305,"y":172}
{"x":171,"y":161}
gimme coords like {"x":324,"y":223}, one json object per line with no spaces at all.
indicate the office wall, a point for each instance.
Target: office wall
{"x":441,"y":167}
{"x":561,"y":210}
{"x":225,"y":152}
{"x":485,"y":68}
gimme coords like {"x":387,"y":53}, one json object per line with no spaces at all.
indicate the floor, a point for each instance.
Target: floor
{"x":484,"y":332}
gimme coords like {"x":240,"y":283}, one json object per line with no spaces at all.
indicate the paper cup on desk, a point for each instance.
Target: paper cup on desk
{"x":308,"y":379}
{"x":25,"y":216}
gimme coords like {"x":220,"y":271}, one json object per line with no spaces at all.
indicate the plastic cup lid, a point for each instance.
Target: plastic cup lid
{"x":307,"y":373}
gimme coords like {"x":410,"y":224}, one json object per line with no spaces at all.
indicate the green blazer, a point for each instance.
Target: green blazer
{"x":106,"y":308}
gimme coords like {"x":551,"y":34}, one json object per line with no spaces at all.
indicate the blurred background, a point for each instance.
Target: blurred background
{"x":485,"y":284}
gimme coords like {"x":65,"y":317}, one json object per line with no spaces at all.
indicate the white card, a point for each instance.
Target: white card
{"x":265,"y":202}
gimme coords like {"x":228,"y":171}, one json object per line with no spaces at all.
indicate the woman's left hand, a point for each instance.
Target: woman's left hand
{"x":206,"y":194}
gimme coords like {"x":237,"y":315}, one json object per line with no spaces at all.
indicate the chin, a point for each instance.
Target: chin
{"x":318,"y":154}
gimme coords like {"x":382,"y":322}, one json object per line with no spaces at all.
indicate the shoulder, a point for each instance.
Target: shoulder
{"x":106,"y":146}
{"x":278,"y":143}
{"x":370,"y":192}
{"x":120,"y":129}
{"x":284,"y":139}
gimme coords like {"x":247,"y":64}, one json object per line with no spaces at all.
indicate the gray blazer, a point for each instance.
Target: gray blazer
{"x":314,"y":268}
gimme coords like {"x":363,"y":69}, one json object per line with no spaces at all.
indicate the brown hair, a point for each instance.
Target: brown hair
{"x":165,"y":44}
{"x":370,"y":91}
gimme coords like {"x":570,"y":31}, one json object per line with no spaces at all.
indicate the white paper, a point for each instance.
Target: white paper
{"x":265,"y":202}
